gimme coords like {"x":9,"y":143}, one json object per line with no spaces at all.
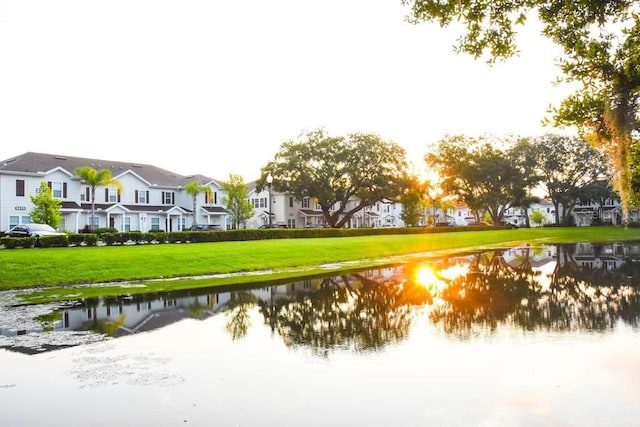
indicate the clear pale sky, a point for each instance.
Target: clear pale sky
{"x":214,"y":87}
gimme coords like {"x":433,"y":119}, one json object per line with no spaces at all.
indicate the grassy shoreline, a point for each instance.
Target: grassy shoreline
{"x":59,"y":267}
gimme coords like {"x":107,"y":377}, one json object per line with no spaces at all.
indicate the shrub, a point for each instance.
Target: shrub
{"x":18,"y":242}
{"x":111,"y":239}
{"x":155,"y":236}
{"x":53,"y":241}
{"x":131,"y":236}
{"x":89,"y":239}
{"x":76,"y":239}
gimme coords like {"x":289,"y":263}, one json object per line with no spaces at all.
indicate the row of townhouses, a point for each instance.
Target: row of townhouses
{"x":155,"y":199}
{"x":151,"y":198}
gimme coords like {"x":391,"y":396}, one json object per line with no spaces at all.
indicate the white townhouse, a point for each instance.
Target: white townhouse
{"x":385,"y":213}
{"x":284,"y":209}
{"x":151,"y":198}
{"x":608,"y":211}
{"x":461,"y":214}
{"x":518,"y":216}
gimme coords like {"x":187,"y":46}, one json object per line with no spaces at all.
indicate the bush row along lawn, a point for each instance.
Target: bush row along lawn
{"x":77,"y":265}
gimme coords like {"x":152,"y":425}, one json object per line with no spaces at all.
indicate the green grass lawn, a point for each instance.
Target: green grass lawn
{"x":60,"y":267}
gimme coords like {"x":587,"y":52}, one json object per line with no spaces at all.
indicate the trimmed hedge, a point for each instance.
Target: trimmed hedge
{"x":158,"y":237}
{"x":52,"y":241}
{"x":30,"y":242}
{"x":86,"y":239}
{"x":18,"y":242}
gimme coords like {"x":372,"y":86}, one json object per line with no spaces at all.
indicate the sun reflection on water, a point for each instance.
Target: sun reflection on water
{"x":436,"y":280}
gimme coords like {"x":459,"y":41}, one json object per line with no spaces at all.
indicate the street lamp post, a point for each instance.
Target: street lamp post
{"x":269,"y":182}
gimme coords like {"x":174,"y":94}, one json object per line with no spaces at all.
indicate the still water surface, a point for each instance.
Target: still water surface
{"x":531,"y":336}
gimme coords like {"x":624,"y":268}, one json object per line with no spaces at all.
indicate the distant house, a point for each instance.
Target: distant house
{"x":609,"y":212}
{"x":284,"y":209}
{"x":518,"y":215}
{"x":151,"y":198}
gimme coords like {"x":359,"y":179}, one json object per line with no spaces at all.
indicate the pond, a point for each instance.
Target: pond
{"x":526,"y":336}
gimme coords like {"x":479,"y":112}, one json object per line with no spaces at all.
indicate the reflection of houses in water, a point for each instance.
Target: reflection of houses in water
{"x":139,"y":315}
{"x":312,"y":285}
{"x":148,"y":314}
{"x":95,"y":319}
{"x":586,"y":256}
{"x":135,"y":314}
{"x":589,"y":256}
{"x":537,"y":257}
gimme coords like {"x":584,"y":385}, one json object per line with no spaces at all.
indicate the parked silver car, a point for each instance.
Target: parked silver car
{"x":33,"y":230}
{"x":205,"y":227}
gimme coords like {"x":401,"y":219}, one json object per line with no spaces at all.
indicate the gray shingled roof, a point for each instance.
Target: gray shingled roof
{"x":40,"y":162}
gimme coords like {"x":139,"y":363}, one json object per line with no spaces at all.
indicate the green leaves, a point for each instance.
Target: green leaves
{"x":334,"y":170}
{"x":237,"y":199}
{"x":601,"y":52}
{"x":46,"y":209}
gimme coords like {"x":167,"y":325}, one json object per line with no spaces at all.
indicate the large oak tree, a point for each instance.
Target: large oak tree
{"x":568,"y":167}
{"x":482,"y":174}
{"x":343,"y":175}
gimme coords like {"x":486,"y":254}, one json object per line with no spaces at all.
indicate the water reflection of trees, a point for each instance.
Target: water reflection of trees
{"x":590,"y":288}
{"x":491,"y":292}
{"x":238,"y":319}
{"x":572,"y":297}
{"x":348,"y":312}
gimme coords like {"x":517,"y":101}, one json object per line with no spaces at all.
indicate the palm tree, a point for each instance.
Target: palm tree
{"x":193,"y":189}
{"x":94,"y":178}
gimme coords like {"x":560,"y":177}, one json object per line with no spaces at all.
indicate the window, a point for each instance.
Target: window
{"x":291,"y":223}
{"x":85,"y":194}
{"x":211,"y":197}
{"x":142,"y":196}
{"x":20,"y":187}
{"x":13,"y":221}
{"x":111,"y":195}
{"x":290,"y":202}
{"x":127,"y":223}
{"x":56,"y":189}
{"x":305,"y":203}
{"x":155,"y":224}
{"x":259,"y":202}
{"x":168,"y":197}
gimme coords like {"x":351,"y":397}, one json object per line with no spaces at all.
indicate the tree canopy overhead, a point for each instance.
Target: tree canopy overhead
{"x":336,"y":170}
{"x":601,"y":52}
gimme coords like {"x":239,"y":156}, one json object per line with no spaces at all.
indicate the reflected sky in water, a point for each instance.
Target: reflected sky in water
{"x":528,"y":336}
